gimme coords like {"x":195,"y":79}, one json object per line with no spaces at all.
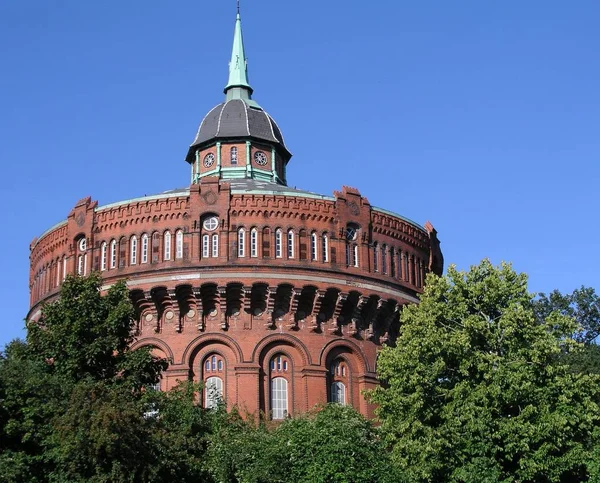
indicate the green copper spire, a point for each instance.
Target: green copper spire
{"x":238,"y":86}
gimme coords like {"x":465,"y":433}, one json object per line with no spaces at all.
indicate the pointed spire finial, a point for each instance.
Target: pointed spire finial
{"x":238,"y":86}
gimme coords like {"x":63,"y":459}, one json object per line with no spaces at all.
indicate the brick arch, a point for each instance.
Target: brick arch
{"x":349,"y":346}
{"x":265,"y":346}
{"x":199,"y":343}
{"x":157,"y":343}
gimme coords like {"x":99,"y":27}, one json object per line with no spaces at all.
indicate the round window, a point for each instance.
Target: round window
{"x":82,"y":245}
{"x":211,"y":223}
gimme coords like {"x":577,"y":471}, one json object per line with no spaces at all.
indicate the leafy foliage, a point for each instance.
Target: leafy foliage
{"x":474,"y":390}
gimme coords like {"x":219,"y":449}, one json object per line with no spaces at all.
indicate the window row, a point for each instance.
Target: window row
{"x":285,"y":245}
{"x":398,"y":264}
{"x":279,"y":383}
{"x":115,"y":253}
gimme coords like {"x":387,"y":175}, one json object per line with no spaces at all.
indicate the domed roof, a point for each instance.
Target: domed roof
{"x":235,"y":119}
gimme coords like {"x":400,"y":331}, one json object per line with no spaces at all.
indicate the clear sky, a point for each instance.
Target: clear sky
{"x":482,"y":117}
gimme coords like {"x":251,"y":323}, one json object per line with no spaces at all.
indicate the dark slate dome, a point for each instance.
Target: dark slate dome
{"x":237,"y":119}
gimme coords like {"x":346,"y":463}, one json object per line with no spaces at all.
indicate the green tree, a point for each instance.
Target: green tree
{"x":330,"y":444}
{"x":474,"y":391}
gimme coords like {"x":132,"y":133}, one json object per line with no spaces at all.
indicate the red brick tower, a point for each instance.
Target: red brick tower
{"x":277,"y":298}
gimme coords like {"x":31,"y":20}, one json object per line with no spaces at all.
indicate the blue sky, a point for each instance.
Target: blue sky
{"x":482,"y":117}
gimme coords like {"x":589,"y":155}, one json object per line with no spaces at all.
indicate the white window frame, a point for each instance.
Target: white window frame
{"x":212,"y":399}
{"x":215,"y":245}
{"x":167,"y":248}
{"x":324,"y":248}
{"x":233,"y":155}
{"x":278,"y":243}
{"x":179,"y":244}
{"x":290,"y":243}
{"x":253,"y":242}
{"x":313,"y":247}
{"x":103,"y":250}
{"x":355,"y":255}
{"x":205,"y":245}
{"x":144,"y":254}
{"x":113,"y":253}
{"x":279,"y":398}
{"x":133,"y":250}
{"x":241,"y":243}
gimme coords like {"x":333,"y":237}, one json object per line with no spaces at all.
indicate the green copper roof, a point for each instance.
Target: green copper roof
{"x":238,"y":86}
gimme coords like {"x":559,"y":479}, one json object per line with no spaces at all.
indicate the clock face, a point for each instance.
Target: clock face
{"x":260,"y":158}
{"x":209,"y":160}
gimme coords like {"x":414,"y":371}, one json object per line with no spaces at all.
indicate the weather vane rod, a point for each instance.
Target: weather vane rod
{"x":238,"y":6}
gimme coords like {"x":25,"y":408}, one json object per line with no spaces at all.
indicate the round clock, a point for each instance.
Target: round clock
{"x":260,"y":158}
{"x":209,"y":159}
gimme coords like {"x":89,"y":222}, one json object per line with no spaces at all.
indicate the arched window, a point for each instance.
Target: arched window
{"x":179,"y":244}
{"x":79,"y":265}
{"x":338,"y":392}
{"x":233,"y":155}
{"x":324,"y":248}
{"x":215,"y":245}
{"x":103,"y":250}
{"x":313,"y":246}
{"x":133,"y":250}
{"x":253,"y":243}
{"x":278,"y":242}
{"x":213,"y":392}
{"x":205,"y":246}
{"x":241,"y":242}
{"x":144,"y":248}
{"x":167,"y":251}
{"x":213,"y":370}
{"x":290,"y":244}
{"x":355,"y":256}
{"x":338,"y":373}
{"x":383,"y":259}
{"x":113,"y":253}
{"x":392,"y":263}
{"x":279,"y":398}
{"x":375,"y":257}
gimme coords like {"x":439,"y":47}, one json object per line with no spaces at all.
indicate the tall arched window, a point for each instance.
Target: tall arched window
{"x":233,"y":155}
{"x":213,"y":371}
{"x":383,"y":259}
{"x":167,"y":251}
{"x":338,"y":373}
{"x":133,"y":250}
{"x":279,"y":367}
{"x":290,"y":244}
{"x":375,"y":257}
{"x":324,"y":248}
{"x":241,"y":242}
{"x":313,"y":246}
{"x":79,"y":265}
{"x":279,"y":398}
{"x":213,"y":392}
{"x":144,"y":257}
{"x":253,"y":243}
{"x":278,"y":243}
{"x":113,"y":253}
{"x":215,"y":245}
{"x":179,"y":244}
{"x":103,"y":250}
{"x":355,"y":255}
{"x":392,"y":263}
{"x":205,"y":246}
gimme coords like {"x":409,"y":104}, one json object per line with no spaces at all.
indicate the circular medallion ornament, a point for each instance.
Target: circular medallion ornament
{"x":149,"y":317}
{"x":260,"y":158}
{"x":353,"y":208}
{"x":169,"y":315}
{"x":209,"y":160}
{"x":79,"y":219}
{"x":191,"y":313}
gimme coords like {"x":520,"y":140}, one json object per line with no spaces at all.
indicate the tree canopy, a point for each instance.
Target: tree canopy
{"x":475,"y":389}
